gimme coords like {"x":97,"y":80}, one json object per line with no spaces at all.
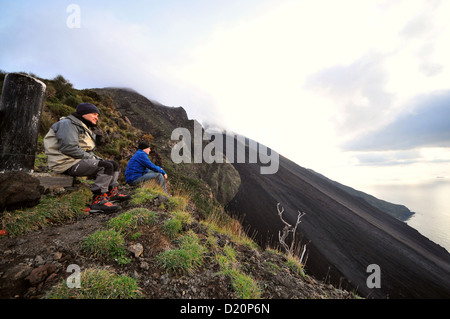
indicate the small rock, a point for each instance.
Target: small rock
{"x":57,"y":255}
{"x":144,"y":265}
{"x":164,"y":279}
{"x":135,"y":275}
{"x":136,"y":249}
{"x":40,"y":274}
{"x":39,"y":260}
{"x":58,"y":190}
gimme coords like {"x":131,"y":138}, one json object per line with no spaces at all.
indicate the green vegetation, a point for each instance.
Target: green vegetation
{"x":128,"y":222}
{"x":184,"y":259}
{"x":219,"y":221}
{"x":148,"y":191}
{"x":295,"y":266}
{"x":245,"y":286}
{"x":98,"y":284}
{"x":107,"y":243}
{"x":51,"y":210}
{"x":110,"y":243}
{"x":174,"y":226}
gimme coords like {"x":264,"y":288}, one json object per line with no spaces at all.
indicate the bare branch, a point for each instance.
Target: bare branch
{"x":280,"y":213}
{"x":288,"y":228}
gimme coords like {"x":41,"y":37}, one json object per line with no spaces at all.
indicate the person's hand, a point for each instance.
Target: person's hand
{"x":165,"y":176}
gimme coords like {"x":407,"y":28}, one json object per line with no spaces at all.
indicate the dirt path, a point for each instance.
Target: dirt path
{"x":33,"y":263}
{"x":56,"y":245}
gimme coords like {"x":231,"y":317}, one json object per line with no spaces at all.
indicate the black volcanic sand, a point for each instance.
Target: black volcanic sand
{"x":344,"y":234}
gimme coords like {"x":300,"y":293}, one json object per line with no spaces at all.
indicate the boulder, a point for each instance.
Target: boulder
{"x":41,"y":273}
{"x":18,"y":190}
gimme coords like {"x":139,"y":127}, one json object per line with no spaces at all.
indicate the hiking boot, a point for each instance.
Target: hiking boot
{"x":114,"y":195}
{"x":101,"y":204}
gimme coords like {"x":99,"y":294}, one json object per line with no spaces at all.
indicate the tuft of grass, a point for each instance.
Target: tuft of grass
{"x":172,"y":227}
{"x":127,"y":222}
{"x":110,"y":243}
{"x":295,"y":266}
{"x":107,"y":243}
{"x":178,"y":202}
{"x":244,"y":285}
{"x":273,"y":268}
{"x":51,"y":210}
{"x":146,"y":193}
{"x":98,"y":284}
{"x":149,"y":190}
{"x":184,"y":259}
{"x":221,"y":222}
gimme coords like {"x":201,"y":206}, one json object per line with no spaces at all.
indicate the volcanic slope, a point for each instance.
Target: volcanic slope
{"x":344,"y":234}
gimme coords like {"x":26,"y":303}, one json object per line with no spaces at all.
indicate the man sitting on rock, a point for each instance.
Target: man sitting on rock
{"x":141,"y":169}
{"x":69,"y":146}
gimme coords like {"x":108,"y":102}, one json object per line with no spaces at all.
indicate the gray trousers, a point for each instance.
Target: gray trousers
{"x":106,"y":173}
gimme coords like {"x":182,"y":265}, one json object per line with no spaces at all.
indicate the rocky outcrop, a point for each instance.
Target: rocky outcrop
{"x":159,"y":121}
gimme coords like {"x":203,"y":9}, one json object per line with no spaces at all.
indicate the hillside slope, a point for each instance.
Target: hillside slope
{"x":35,"y":264}
{"x":344,"y":234}
{"x":40,"y":243}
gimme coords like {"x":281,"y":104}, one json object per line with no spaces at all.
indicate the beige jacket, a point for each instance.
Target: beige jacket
{"x":67,"y":142}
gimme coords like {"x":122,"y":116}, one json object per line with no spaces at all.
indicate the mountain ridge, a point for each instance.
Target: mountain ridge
{"x":401,"y":212}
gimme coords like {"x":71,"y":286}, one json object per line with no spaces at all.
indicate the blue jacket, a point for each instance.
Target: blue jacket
{"x":139,"y":165}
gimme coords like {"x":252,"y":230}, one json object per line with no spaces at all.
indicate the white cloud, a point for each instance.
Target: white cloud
{"x":366,"y":59}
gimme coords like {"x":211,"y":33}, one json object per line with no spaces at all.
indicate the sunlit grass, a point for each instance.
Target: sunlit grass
{"x":98,"y":284}
{"x":127,"y":222}
{"x":222,"y":223}
{"x":149,"y":190}
{"x":244,"y":285}
{"x":184,"y":259}
{"x":107,"y":243}
{"x":51,"y":210}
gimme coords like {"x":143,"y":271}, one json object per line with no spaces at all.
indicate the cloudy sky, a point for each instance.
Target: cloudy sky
{"x":356,"y":90}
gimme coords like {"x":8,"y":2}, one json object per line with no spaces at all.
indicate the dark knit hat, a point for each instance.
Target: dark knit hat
{"x":86,"y":108}
{"x":143,"y":146}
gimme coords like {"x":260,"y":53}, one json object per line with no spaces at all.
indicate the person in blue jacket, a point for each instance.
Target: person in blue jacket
{"x":141,"y":169}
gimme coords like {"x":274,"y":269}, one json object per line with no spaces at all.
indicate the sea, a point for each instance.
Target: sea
{"x":430,"y":203}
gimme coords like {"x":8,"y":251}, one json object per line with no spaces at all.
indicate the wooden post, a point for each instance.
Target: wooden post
{"x":20,"y":116}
